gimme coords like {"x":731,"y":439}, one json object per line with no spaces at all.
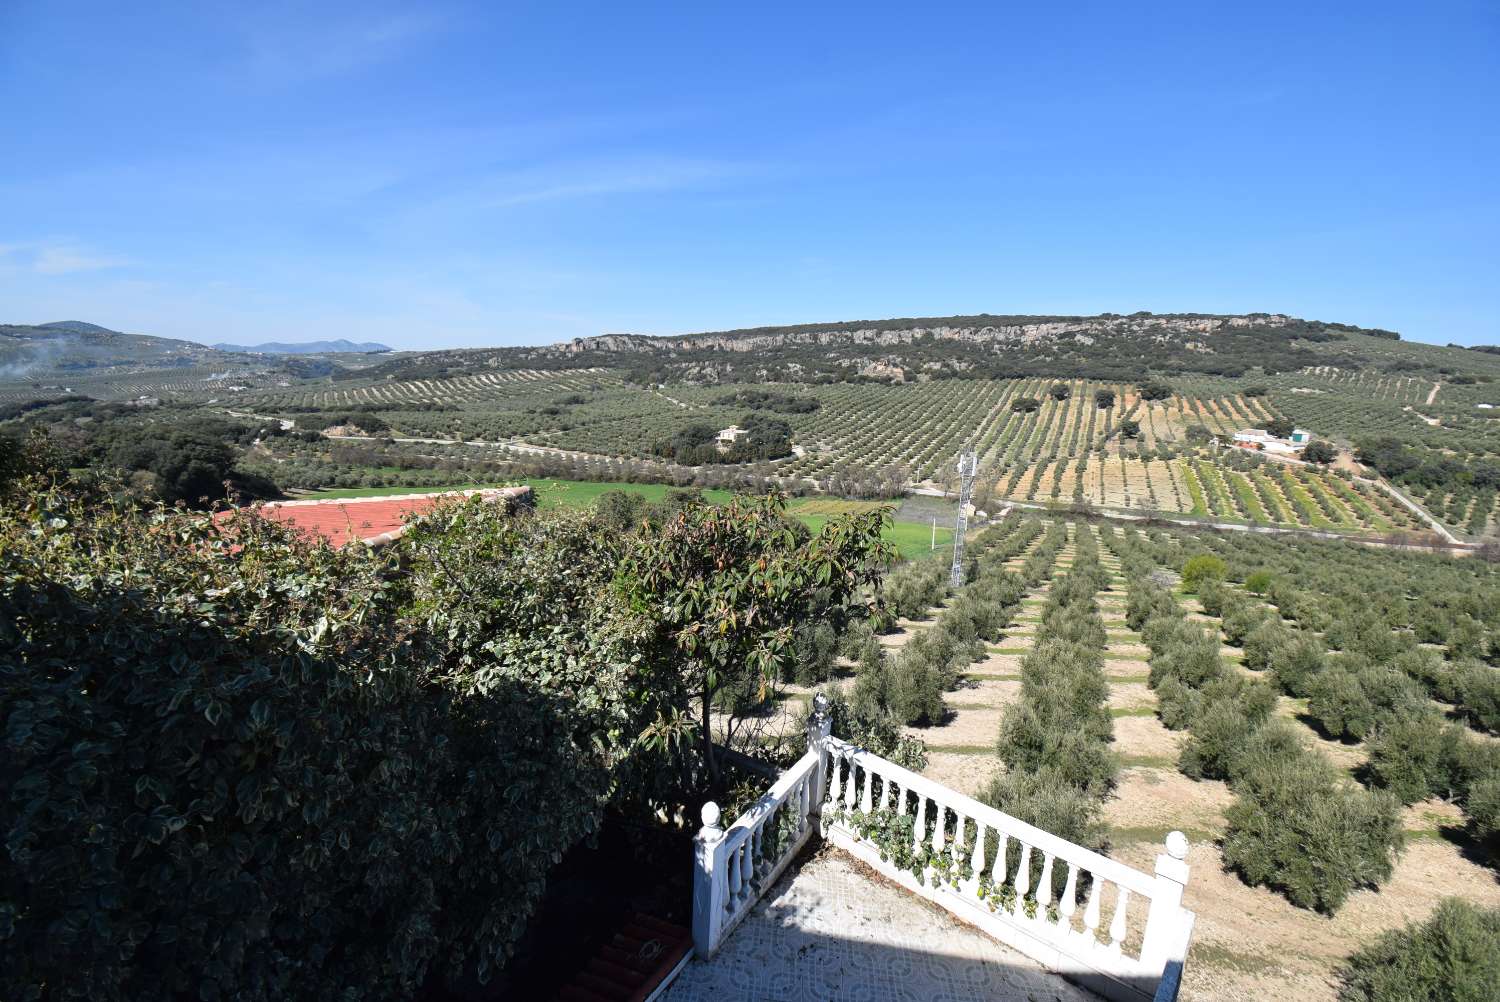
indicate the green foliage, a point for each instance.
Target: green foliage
{"x":868,"y":724}
{"x":1156,"y":391}
{"x":1052,"y":804}
{"x":1294,"y":666}
{"x":1262,"y":643}
{"x":1259,"y":583}
{"x":1025,"y":405}
{"x":1454,"y":956}
{"x":241,"y":765}
{"x":1300,"y":830}
{"x":1319,"y":451}
{"x":1415,"y":756}
{"x":1201,"y":570}
{"x":1104,"y":399}
{"x":1280,"y":427}
{"x":1130,"y":428}
{"x":725,"y":585}
{"x":1059,"y":391}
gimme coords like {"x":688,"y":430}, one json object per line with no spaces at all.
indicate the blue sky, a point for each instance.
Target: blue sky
{"x":450,"y":174}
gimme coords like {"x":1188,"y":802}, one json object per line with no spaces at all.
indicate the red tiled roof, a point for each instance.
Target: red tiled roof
{"x":374,"y":520}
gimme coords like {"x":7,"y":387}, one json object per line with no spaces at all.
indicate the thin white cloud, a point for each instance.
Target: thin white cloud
{"x":596,"y":179}
{"x":282,"y":51}
{"x":56,"y":258}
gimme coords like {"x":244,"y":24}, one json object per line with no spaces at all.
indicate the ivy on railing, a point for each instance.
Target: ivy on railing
{"x":894,"y":837}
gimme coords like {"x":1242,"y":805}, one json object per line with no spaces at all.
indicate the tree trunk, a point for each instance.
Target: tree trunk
{"x":708,"y":737}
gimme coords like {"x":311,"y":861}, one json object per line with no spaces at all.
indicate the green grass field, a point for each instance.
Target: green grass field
{"x":911,"y":539}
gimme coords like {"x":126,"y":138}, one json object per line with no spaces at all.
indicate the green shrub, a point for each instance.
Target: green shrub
{"x":1202,"y":569}
{"x":1259,"y":582}
{"x":871,"y":728}
{"x":245,"y":766}
{"x":1478,"y":688}
{"x":1051,"y":804}
{"x":915,"y":687}
{"x":1339,"y":704}
{"x":1213,"y":595}
{"x":1454,"y":956}
{"x":1415,"y":756}
{"x":1243,"y":619}
{"x":1274,"y":741}
{"x":1298,"y":829}
{"x":1295,"y":666}
{"x":1176,"y":704}
{"x":1220,"y":735}
{"x":1479,"y":779}
{"x":1262,"y":643}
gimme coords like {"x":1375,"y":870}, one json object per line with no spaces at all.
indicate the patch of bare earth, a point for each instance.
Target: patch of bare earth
{"x":1131,"y":696}
{"x":1250,"y":943}
{"x":1145,"y":737}
{"x":967,"y":773}
{"x":1157,"y":800}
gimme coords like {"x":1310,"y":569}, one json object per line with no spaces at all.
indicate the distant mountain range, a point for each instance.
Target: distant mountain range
{"x":72,"y":346}
{"x":304,"y":347}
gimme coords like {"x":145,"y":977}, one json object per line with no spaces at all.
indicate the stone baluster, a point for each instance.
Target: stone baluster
{"x":1023,"y":880}
{"x":851,"y":783}
{"x":739,"y":885}
{"x":709,"y":887}
{"x":866,"y":799}
{"x":920,"y":830}
{"x":1117,"y":925}
{"x":901,"y":800}
{"x":976,"y":861}
{"x":1091,"y":911}
{"x":939,"y":827}
{"x":997,"y":871}
{"x":1044,"y":887}
{"x":758,"y":864}
{"x":886,"y":783}
{"x":1069,"y":903}
{"x":834,"y":762}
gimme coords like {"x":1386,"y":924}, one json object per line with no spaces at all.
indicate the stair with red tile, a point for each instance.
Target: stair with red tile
{"x":632,"y":965}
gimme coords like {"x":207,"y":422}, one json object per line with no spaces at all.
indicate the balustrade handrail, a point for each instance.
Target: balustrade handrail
{"x":773,"y":798}
{"x":734,"y":867}
{"x":1110,"y":869}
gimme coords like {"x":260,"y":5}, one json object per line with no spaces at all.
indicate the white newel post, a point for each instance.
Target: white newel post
{"x":1168,"y":925}
{"x":819,"y":729}
{"x":709,"y":890}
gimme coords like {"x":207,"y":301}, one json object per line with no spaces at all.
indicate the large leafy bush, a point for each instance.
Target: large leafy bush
{"x":236,"y":766}
{"x":241,"y":765}
{"x":1454,"y":956}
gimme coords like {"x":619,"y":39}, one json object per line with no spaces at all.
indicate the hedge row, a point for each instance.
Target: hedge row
{"x":1055,"y":741}
{"x":1296,"y":823}
{"x":909,"y":684}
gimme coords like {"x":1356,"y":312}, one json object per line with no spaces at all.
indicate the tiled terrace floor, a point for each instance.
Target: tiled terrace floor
{"x":832,"y":931}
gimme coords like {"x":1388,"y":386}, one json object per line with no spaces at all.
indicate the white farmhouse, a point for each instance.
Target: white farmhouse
{"x":729,"y":436}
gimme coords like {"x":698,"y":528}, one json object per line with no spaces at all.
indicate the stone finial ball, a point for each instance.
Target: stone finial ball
{"x":710,"y":815}
{"x":1177,"y":845}
{"x":820,"y":705}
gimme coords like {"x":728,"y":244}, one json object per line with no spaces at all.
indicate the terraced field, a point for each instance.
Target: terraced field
{"x":1064,"y":449}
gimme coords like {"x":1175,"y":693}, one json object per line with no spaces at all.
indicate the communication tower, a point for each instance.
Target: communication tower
{"x":968,"y":466}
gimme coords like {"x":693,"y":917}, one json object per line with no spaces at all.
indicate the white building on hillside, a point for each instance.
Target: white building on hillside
{"x":1263,"y":441}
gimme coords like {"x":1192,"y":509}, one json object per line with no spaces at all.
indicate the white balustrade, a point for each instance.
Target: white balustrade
{"x":733,"y":867}
{"x":1023,"y":909}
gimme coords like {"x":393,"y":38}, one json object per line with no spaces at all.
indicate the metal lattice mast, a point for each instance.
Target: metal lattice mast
{"x":968,"y":466}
